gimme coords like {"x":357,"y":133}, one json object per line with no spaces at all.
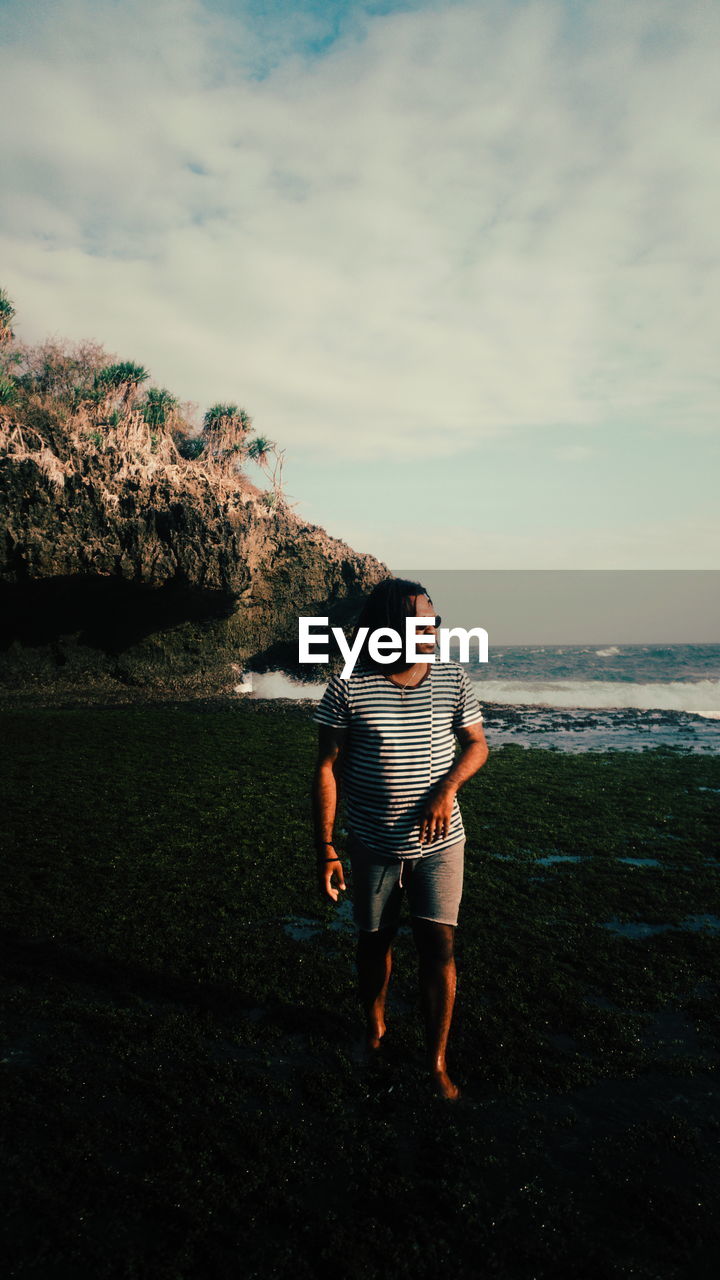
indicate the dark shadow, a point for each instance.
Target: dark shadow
{"x":283,"y":655}
{"x":41,"y":959}
{"x":109,"y":614}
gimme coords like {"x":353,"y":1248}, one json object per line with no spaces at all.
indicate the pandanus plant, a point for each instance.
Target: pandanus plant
{"x":8,"y":390}
{"x":221,"y":414}
{"x":224,"y":429}
{"x":7,"y":315}
{"x":8,"y":384}
{"x":122,"y":379}
{"x":270,"y":460}
{"x":157,"y":406}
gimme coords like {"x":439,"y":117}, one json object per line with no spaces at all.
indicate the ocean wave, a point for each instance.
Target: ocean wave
{"x":700,"y":698}
{"x":611,"y":652}
{"x":275,"y":684}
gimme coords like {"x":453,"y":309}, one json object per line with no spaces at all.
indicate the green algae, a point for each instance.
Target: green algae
{"x":183,"y":1091}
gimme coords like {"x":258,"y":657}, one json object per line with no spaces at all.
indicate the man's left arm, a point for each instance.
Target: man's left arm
{"x":438,"y":811}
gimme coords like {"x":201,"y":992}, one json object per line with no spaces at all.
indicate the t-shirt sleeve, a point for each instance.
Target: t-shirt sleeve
{"x":467,"y":707}
{"x":334,"y":707}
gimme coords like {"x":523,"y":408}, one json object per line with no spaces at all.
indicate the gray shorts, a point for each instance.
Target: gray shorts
{"x":434,"y":885}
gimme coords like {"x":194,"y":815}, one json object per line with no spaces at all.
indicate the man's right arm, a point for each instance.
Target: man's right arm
{"x":325,"y":793}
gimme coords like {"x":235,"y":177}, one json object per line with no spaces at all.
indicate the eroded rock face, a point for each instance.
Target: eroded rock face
{"x":156,"y":576}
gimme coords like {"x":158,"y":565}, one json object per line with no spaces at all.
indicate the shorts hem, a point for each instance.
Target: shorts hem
{"x":434,"y":920}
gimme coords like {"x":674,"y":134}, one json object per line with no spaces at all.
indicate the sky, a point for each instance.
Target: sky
{"x":574,"y":606}
{"x":459,"y":260}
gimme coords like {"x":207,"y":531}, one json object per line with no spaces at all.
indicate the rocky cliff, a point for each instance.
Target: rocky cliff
{"x":127,"y":566}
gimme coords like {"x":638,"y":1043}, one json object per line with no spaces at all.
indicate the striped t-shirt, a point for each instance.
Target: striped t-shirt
{"x":392,"y":756}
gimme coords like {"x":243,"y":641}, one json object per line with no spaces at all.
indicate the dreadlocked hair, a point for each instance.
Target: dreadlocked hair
{"x":388,"y":605}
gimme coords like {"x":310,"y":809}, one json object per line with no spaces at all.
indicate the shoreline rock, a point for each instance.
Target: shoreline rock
{"x":153,"y":573}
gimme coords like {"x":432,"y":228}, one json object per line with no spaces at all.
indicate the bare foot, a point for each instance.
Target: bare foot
{"x":444,"y":1086}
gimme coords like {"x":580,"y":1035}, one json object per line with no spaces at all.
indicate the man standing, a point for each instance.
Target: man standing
{"x":387,"y":737}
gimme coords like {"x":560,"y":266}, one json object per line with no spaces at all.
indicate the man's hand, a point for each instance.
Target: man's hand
{"x":435,"y":821}
{"x":325,"y":791}
{"x":330,"y":874}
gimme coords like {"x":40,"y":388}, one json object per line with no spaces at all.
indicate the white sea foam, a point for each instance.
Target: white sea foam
{"x":701,"y":697}
{"x":275,"y":684}
{"x":610,"y":652}
{"x":245,"y":686}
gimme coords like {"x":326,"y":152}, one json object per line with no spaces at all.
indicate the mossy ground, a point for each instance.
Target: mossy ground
{"x":182,"y":1093}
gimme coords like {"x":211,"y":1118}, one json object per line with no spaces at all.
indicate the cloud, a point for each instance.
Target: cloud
{"x":574,"y":453}
{"x":689,"y":543}
{"x":456,"y":222}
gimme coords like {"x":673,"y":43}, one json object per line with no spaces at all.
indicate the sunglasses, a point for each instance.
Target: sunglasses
{"x":431,"y":622}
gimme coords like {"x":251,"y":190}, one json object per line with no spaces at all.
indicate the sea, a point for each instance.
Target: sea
{"x":601,"y":697}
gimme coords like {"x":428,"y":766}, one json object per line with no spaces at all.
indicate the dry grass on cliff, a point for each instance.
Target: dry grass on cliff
{"x":84,"y":443}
